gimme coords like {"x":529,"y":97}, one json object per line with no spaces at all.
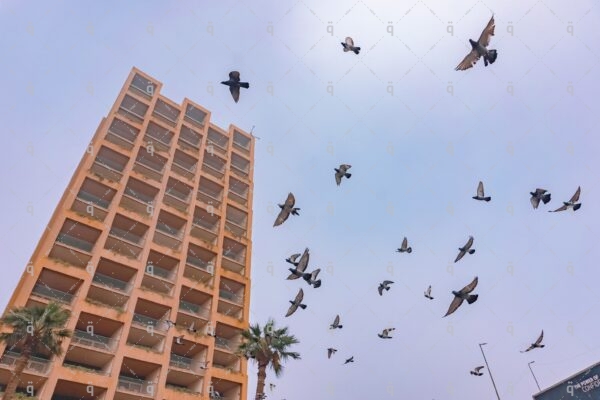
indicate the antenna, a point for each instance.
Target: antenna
{"x":252,"y":130}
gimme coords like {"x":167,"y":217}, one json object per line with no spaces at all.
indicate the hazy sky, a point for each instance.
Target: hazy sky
{"x":419,"y":136}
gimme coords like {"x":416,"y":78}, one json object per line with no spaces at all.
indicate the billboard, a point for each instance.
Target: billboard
{"x":584,"y":385}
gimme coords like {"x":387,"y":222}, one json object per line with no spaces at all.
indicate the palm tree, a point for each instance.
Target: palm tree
{"x":33,"y":329}
{"x":267,"y":346}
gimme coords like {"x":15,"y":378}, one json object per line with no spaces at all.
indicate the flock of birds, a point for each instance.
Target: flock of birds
{"x":300,"y":261}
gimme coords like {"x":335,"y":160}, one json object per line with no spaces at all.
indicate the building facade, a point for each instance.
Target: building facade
{"x":154,"y":228}
{"x":584,"y":385}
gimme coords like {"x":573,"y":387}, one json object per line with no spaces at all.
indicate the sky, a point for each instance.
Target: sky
{"x":419,"y":136}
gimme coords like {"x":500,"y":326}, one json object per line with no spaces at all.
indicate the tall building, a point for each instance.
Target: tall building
{"x":154,"y":227}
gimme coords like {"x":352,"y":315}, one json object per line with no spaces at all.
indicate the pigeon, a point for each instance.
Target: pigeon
{"x":179,"y":339}
{"x":385,"y":285}
{"x":342,"y":172}
{"x":476,"y":371}
{"x":537,"y":344}
{"x":330,"y":351}
{"x":479,"y":49}
{"x":463,"y":295}
{"x":296,"y":303}
{"x":286,"y":209}
{"x":348,"y":45}
{"x":404,"y":247}
{"x":571,"y":203}
{"x":428,"y":293}
{"x":301,"y":267}
{"x":292,"y":259}
{"x":539,"y":195}
{"x":385,"y":333}
{"x":465,"y":249}
{"x":336,"y":323}
{"x":351,"y":359}
{"x":311,"y":278}
{"x":191,"y":328}
{"x":169,"y":323}
{"x":480,"y":194}
{"x":205,"y":364}
{"x":272,"y":386}
{"x":235,"y":85}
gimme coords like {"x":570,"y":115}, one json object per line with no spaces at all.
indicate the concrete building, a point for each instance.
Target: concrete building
{"x":583,"y":385}
{"x":154,"y":226}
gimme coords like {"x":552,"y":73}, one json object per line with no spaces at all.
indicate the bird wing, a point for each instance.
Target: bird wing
{"x":576,"y":195}
{"x":282,"y":217}
{"x":384,"y":333}
{"x":479,"y":368}
{"x":338,"y":177}
{"x":234,"y":76}
{"x":428,"y":291}
{"x":469,"y":243}
{"x":480,"y":192}
{"x":292,"y":309}
{"x":349,"y":42}
{"x":540,"y":338}
{"x":563,"y":208}
{"x":387,"y":282}
{"x":470,"y":287}
{"x":468,"y":61}
{"x":487,"y":33}
{"x":540,"y":191}
{"x":535,"y":201}
{"x":380,"y":290}
{"x":336,"y":321}
{"x":303,"y":263}
{"x":460,"y":255}
{"x":290,"y":201}
{"x":454,"y":305}
{"x":235,"y":93}
{"x":299,"y":297}
{"x":314,"y":274}
{"x":329,"y":353}
{"x":293,"y":257}
{"x":404,"y":244}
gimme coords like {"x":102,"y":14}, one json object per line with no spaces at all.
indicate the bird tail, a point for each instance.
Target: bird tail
{"x":487,"y":198}
{"x":472,"y":298}
{"x":357,"y":50}
{"x":244,"y":85}
{"x":380,"y":335}
{"x":471,"y":251}
{"x":492,"y":55}
{"x":576,"y":207}
{"x":387,"y":288}
{"x":546,"y":198}
{"x":348,"y":175}
{"x":542,"y":345}
{"x":302,"y":306}
{"x":317,"y":284}
{"x":340,"y":326}
{"x":409,"y":250}
{"x":306,"y":277}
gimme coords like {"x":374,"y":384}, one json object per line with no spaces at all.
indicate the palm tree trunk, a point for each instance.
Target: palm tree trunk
{"x":15,"y":378}
{"x":262,"y":376}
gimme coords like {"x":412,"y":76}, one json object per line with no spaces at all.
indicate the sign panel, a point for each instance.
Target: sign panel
{"x":583,"y":386}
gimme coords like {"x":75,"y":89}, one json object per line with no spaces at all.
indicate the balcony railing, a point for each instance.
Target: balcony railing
{"x":126,"y":235}
{"x":198,"y":263}
{"x":238,"y":258}
{"x":92,"y":340}
{"x":52,"y":294}
{"x":36,"y":364}
{"x":193,"y":308}
{"x":223,"y":343}
{"x":210,"y":194}
{"x":136,"y":386}
{"x":233,"y":297}
{"x":158,"y":271}
{"x":111,"y":283}
{"x":164,"y":228}
{"x":77,"y":243}
{"x":178,"y":195}
{"x":209,"y":226}
{"x":138,"y":195}
{"x":85,"y":196}
{"x":145,"y":321}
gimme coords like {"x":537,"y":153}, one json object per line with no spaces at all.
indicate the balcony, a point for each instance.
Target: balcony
{"x":177,"y":195}
{"x":111,"y":284}
{"x":126,"y":237}
{"x":122,"y":134}
{"x":169,"y":231}
{"x":150,"y":165}
{"x":74,"y":244}
{"x":234,"y":256}
{"x":240,"y":166}
{"x":82,"y":338}
{"x":52,"y":294}
{"x":200,"y":264}
{"x":214,"y":165}
{"x":184,"y":165}
{"x":69,"y":390}
{"x":93,"y":199}
{"x":143,"y":87}
{"x":210,"y":193}
{"x":160,"y":273}
{"x":158,"y":137}
{"x":195,"y":116}
{"x":189,"y":139}
{"x":205,"y":226}
{"x":193,"y":309}
{"x":241,"y":142}
{"x":139,"y":197}
{"x":238,"y":191}
{"x":137,"y":386}
{"x":109,"y":165}
{"x":236,"y":221}
{"x":231,"y":298}
{"x":35,"y":365}
{"x":223,"y":389}
{"x":216,"y":142}
{"x":133,"y":110}
{"x":166,"y":113}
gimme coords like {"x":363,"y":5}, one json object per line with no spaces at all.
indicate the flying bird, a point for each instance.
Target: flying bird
{"x":205,"y":364}
{"x":385,"y":333}
{"x":272,"y":386}
{"x":571,"y":203}
{"x":476,"y":371}
{"x":311,"y":278}
{"x":292,"y":259}
{"x":296,"y":303}
{"x":336,"y":323}
{"x":539,"y":195}
{"x":342,"y":172}
{"x":191,"y":328}
{"x":301,"y":267}
{"x":169,"y":323}
{"x":330,"y":351}
{"x":480,"y":193}
{"x":404,"y":247}
{"x":479,"y":49}
{"x":348,"y":45}
{"x":463,"y":295}
{"x":465,"y":249}
{"x":235,"y":85}
{"x":351,"y":359}
{"x":385,"y":285}
{"x":537,"y":344}
{"x":179,"y":339}
{"x":428,"y":293}
{"x":286,"y":209}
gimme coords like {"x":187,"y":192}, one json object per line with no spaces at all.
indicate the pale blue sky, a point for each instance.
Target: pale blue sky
{"x":416,"y":159}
